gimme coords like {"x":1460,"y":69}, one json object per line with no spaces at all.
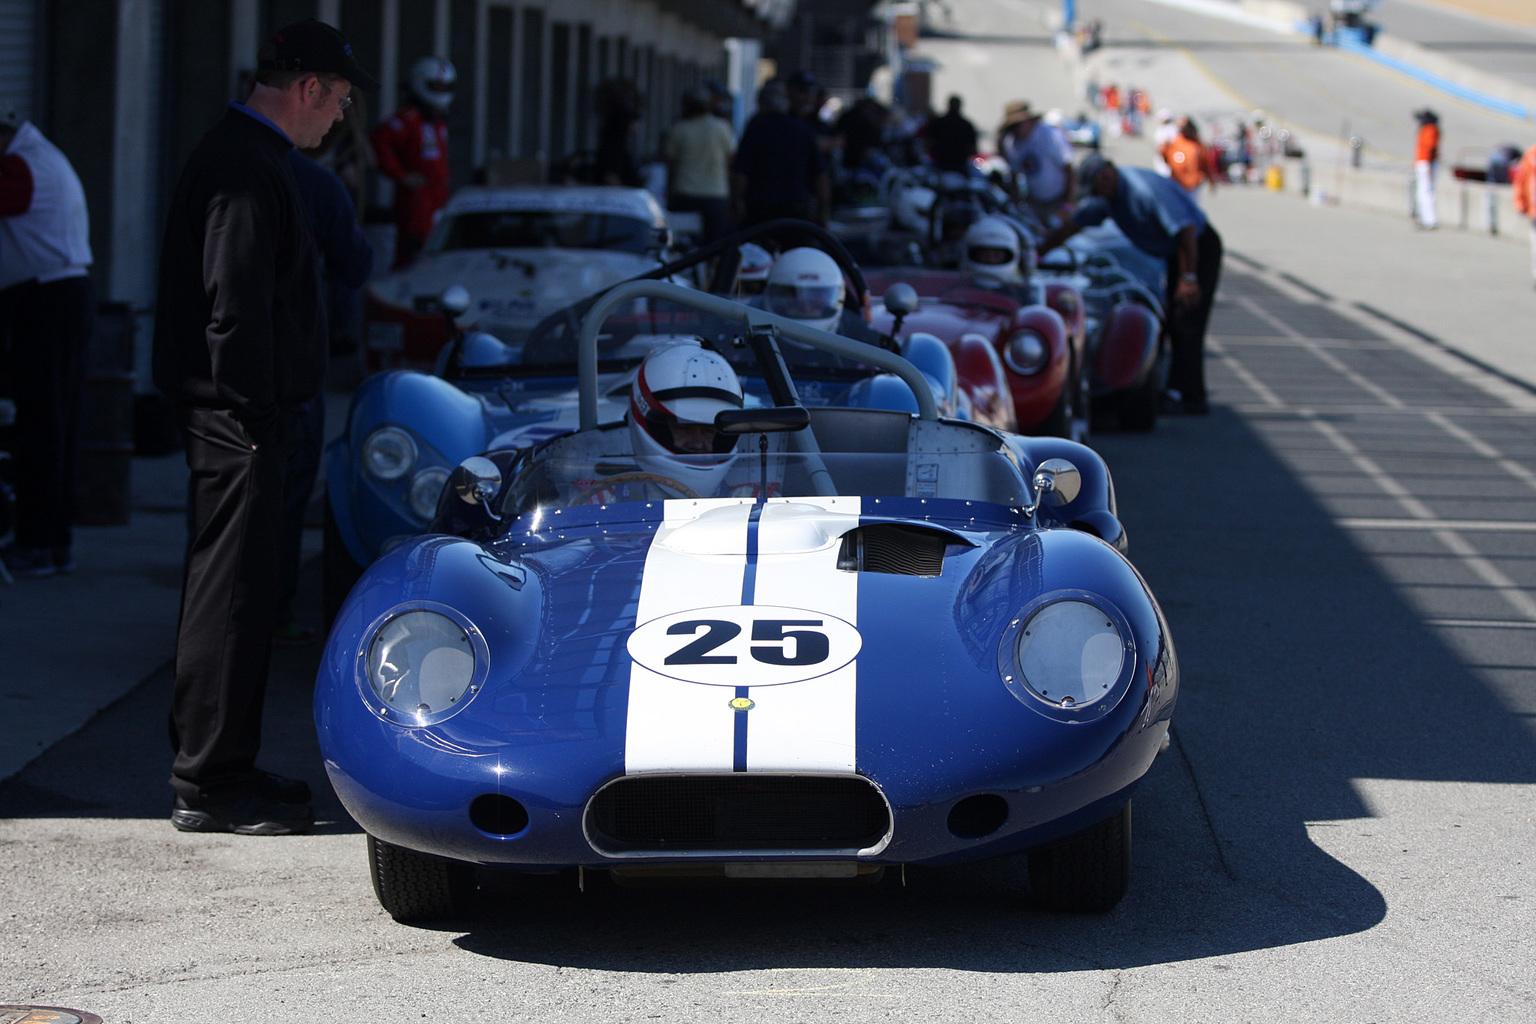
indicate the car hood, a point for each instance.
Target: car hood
{"x":509,"y":288}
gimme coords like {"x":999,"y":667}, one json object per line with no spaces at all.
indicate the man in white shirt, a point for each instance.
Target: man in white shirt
{"x":47,"y":315}
{"x":1042,"y":155}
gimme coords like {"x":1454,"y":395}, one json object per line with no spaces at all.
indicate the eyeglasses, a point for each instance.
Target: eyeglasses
{"x":342,"y":102}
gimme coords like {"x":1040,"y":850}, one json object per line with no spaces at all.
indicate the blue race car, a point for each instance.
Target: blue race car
{"x":878,"y":638}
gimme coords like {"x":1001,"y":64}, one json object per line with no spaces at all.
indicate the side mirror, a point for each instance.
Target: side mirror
{"x":454,"y":301}
{"x":475,"y":481}
{"x":900,"y":299}
{"x":1056,"y":482}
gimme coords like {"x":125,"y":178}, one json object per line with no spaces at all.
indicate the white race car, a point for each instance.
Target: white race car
{"x":522,"y":252}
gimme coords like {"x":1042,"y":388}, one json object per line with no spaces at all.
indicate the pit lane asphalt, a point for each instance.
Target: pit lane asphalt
{"x":1342,"y":832}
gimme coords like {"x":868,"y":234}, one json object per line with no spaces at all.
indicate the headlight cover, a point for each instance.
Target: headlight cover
{"x":1026,"y":353}
{"x":422,"y":664}
{"x":389,"y":453}
{"x":1068,"y":655}
{"x":426,"y":487}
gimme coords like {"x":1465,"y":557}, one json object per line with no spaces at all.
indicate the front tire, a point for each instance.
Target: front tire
{"x":1087,"y":872}
{"x":415,"y":886}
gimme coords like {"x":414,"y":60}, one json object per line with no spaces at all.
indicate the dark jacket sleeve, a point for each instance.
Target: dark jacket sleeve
{"x":239,"y":257}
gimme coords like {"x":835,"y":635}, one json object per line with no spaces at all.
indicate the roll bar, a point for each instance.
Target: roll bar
{"x":586,"y":346}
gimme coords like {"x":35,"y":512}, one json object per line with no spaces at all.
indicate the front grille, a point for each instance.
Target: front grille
{"x":742,"y":812}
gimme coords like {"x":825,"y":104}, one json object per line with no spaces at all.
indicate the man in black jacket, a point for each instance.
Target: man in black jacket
{"x":241,"y":345}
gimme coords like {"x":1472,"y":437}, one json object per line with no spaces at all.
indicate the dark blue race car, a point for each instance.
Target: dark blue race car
{"x":876,"y":638}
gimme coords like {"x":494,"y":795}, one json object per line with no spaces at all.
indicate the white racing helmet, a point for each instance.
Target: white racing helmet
{"x":683,"y":383}
{"x":432,"y":81}
{"x":752,"y":272}
{"x":806,"y":284}
{"x":992,"y":250}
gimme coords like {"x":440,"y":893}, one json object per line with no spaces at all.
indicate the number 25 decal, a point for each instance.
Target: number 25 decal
{"x":748,"y":645}
{"x":788,"y":646}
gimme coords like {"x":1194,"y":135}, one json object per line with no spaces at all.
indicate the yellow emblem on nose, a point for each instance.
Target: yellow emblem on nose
{"x":742,"y":703}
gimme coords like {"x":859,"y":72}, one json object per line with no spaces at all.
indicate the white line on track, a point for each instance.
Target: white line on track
{"x":1447,"y":532}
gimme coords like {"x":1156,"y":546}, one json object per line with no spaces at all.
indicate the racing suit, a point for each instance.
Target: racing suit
{"x":414,"y":143}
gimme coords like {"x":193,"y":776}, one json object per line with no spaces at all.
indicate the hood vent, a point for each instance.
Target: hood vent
{"x":891,"y":548}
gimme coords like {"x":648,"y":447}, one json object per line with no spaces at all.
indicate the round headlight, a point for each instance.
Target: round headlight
{"x":1026,"y":353}
{"x":421,"y":663}
{"x":1070,"y":653}
{"x":426,"y":486}
{"x":389,"y":453}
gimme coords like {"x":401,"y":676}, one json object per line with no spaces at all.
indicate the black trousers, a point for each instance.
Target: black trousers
{"x":1187,"y":323}
{"x":47,"y":330}
{"x":229,"y":602}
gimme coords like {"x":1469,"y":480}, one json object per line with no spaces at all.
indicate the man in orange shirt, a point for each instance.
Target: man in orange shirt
{"x":1426,"y":161}
{"x":1187,"y":158}
{"x":1522,"y":180}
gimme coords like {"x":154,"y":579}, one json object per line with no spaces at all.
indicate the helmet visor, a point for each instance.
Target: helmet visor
{"x":991,"y":255}
{"x":804,"y":301}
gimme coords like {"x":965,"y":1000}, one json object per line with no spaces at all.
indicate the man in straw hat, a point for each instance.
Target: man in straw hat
{"x":1040,"y":155}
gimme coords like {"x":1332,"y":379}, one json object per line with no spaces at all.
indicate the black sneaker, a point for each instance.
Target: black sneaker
{"x":245,"y":813}
{"x":281,"y":788}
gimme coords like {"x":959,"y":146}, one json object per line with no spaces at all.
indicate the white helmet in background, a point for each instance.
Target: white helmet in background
{"x":806,"y":284}
{"x":752,"y":270}
{"x":683,"y":384}
{"x":432,"y":81}
{"x":991,"y":249}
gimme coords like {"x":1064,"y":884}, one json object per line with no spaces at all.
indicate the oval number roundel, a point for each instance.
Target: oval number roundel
{"x":745,"y":645}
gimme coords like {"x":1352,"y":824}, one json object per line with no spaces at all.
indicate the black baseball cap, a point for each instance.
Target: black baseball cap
{"x":313,"y":46}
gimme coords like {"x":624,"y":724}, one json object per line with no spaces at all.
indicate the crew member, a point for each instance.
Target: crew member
{"x":412,"y":151}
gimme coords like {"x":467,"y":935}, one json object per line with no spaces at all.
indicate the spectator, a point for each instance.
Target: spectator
{"x":1041,"y":156}
{"x":619,"y":107}
{"x":47,"y":314}
{"x":412,"y":151}
{"x":1522,"y":180}
{"x":1159,"y":218}
{"x":806,"y":100}
{"x":951,"y":139}
{"x":698,"y":151}
{"x":346,"y":260}
{"x":1189,"y":162}
{"x":778,"y":170}
{"x":240,"y":345}
{"x":1166,"y":131}
{"x":862,"y":129}
{"x":1426,"y":163}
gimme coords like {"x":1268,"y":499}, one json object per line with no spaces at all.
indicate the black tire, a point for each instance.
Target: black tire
{"x":414,"y":886}
{"x":1088,"y":872}
{"x":339,"y":572}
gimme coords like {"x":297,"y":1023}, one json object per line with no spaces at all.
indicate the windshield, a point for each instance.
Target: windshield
{"x":637,"y":327}
{"x":540,"y":229}
{"x":573,"y":479}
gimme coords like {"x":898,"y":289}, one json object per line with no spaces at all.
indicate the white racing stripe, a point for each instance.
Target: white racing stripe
{"x":698,"y":561}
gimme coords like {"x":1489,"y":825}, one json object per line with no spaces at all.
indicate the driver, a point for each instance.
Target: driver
{"x":677,"y":392}
{"x":995,"y":255}
{"x":806,"y":284}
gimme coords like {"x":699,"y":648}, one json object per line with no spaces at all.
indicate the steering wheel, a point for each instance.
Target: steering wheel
{"x":681,"y":488}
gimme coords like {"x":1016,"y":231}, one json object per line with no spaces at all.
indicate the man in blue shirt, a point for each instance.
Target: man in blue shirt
{"x":1161,"y":219}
